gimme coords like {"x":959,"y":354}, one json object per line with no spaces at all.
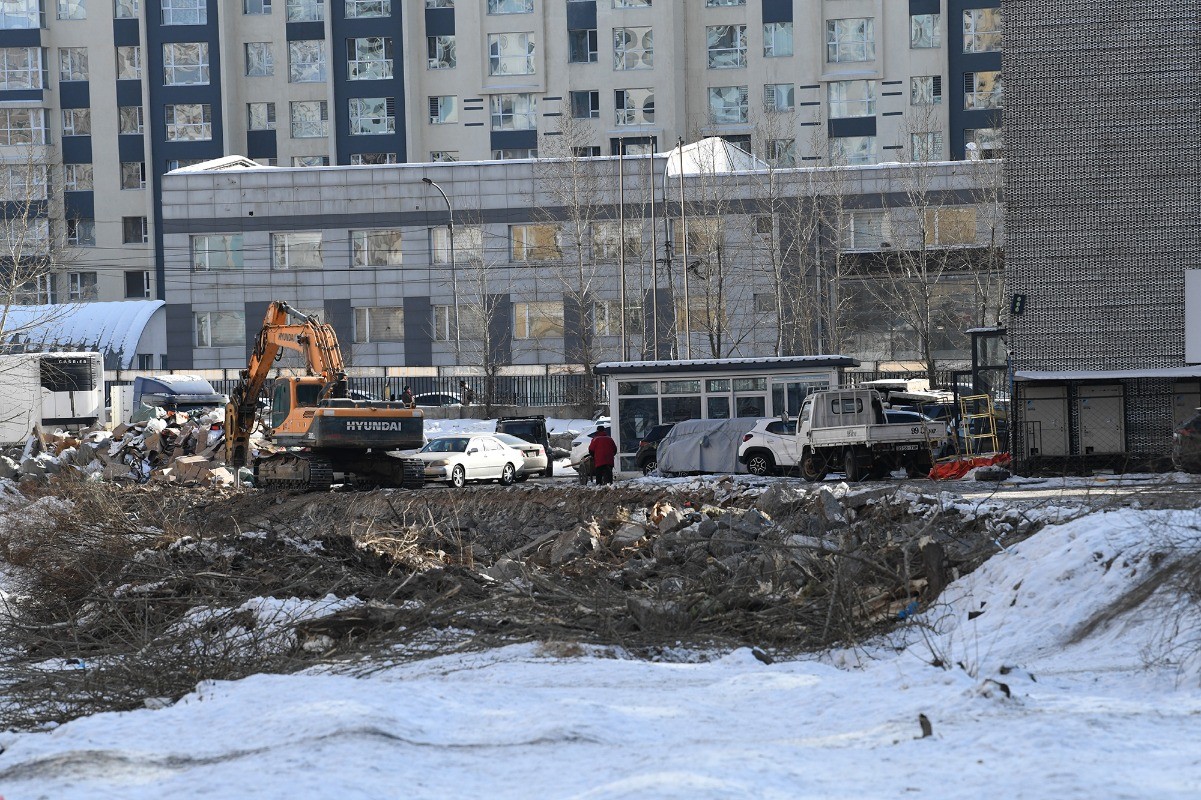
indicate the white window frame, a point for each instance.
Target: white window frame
{"x":217,"y":251}
{"x":511,"y":53}
{"x":127,"y":168}
{"x":538,"y":319}
{"x":77,"y":121}
{"x":633,"y":48}
{"x":778,"y":40}
{"x":977,"y":99}
{"x":188,"y":117}
{"x":297,"y":250}
{"x":846,"y":103}
{"x":181,"y":60}
{"x":369,"y":58}
{"x":726,"y":46}
{"x":307,"y":61}
{"x":184,"y":12}
{"x":129,"y":63}
{"x":369,"y":9}
{"x":306,"y":10}
{"x":372,"y":116}
{"x":514,"y":112}
{"x":363,"y":324}
{"x":78,"y":177}
{"x":729,"y":105}
{"x":925,"y":31}
{"x":498,"y":7}
{"x":850,"y":40}
{"x":379,"y":247}
{"x":982,"y":30}
{"x":633,"y":107}
{"x":779,"y":98}
{"x":441,"y":52}
{"x":260,"y":62}
{"x":233,"y":323}
{"x":21,"y":67}
{"x":72,"y":64}
{"x":925,"y":90}
{"x":313,"y":128}
{"x":81,"y":287}
{"x":443,"y":109}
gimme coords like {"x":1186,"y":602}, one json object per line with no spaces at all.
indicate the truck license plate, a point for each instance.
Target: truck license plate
{"x":908,"y":447}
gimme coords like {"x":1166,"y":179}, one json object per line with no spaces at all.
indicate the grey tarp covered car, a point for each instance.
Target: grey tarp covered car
{"x":704,"y":445}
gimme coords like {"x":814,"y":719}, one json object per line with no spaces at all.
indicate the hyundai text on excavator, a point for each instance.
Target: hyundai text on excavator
{"x":319,"y":429}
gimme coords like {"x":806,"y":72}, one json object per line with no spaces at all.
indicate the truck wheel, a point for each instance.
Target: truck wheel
{"x":458,"y":477}
{"x":761,"y":463}
{"x":507,"y":474}
{"x":851,"y":466}
{"x":813,"y":467}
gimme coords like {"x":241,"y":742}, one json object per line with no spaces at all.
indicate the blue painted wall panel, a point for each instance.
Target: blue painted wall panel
{"x":855,"y":126}
{"x":74,"y":94}
{"x":79,"y":205}
{"x":129,"y":93}
{"x":441,"y":21}
{"x":581,"y":16}
{"x":261,"y":144}
{"x":778,"y":10}
{"x":125,"y":33}
{"x":77,"y":149}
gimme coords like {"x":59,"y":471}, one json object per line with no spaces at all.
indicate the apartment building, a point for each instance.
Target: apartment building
{"x":109,"y":95}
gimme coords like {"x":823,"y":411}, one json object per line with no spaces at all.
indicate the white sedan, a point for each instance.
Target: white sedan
{"x":470,"y":457}
{"x":534,"y":454}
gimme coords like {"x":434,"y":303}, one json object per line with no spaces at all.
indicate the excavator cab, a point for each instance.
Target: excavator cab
{"x":293,"y":403}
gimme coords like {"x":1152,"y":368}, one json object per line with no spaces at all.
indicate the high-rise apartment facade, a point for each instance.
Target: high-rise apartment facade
{"x":111,"y":94}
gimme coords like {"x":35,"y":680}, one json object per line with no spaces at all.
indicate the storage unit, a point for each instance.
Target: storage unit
{"x":1100,"y":415}
{"x":50,"y":390}
{"x":1045,"y":420}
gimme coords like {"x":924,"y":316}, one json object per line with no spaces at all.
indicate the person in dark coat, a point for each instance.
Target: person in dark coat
{"x":603,"y":450}
{"x":466,"y":393}
{"x":406,"y":396}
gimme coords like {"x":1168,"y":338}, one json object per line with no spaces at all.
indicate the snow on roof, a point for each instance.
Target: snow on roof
{"x":1108,"y":375}
{"x":110,"y":328}
{"x":221,"y":164}
{"x":709,"y":156}
{"x":724,"y":364}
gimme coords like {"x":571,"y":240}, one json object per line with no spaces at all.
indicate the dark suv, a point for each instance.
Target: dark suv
{"x":647,"y":457}
{"x":531,"y":429}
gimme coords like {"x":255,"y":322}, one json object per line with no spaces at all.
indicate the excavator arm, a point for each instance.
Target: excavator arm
{"x":315,"y":341}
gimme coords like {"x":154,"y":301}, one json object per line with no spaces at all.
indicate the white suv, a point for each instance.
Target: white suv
{"x":769,"y":447}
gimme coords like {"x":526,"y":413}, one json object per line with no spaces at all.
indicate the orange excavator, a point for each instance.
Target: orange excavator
{"x":318,"y":429}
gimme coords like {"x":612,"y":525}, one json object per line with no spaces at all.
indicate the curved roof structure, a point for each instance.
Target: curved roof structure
{"x":113,"y":329}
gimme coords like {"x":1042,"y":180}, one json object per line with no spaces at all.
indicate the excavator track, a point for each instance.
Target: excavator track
{"x":295,"y":472}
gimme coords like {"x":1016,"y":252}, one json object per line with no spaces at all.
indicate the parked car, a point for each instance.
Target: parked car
{"x":436,"y":399}
{"x":537,"y":462}
{"x":579,"y":446}
{"x":531,"y":429}
{"x":647,"y":457}
{"x":470,"y":457}
{"x":1186,"y":445}
{"x":769,"y":446}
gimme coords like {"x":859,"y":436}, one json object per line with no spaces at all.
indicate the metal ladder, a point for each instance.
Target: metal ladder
{"x":978,"y":407}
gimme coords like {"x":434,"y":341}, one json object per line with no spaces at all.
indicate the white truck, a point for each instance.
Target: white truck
{"x":846,"y":430}
{"x":50,"y":390}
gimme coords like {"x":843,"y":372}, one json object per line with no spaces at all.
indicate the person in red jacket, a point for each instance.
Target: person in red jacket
{"x":603,"y":450}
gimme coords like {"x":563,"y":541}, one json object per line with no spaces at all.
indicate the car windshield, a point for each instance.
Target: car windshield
{"x":512,"y":440}
{"x":448,"y":445}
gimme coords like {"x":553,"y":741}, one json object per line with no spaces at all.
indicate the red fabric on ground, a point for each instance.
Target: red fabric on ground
{"x":953,"y":470}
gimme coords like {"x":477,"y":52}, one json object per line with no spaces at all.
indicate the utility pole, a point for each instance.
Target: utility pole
{"x":454,"y":274}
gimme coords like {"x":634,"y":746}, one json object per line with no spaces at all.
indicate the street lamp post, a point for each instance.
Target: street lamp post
{"x":454,"y":274}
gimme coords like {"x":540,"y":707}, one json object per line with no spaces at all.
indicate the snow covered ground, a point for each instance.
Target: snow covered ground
{"x":1044,"y":692}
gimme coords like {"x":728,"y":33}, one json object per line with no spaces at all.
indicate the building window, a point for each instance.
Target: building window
{"x":777,"y":39}
{"x":186,"y":63}
{"x":510,"y":6}
{"x":469,"y":244}
{"x":77,"y":122}
{"x":781,"y":152}
{"x":510,"y":54}
{"x":130,"y":119}
{"x":361,"y":159}
{"x":441,"y":52}
{"x":372,"y":116}
{"x":129,"y":63}
{"x":369,"y":59}
{"x":217,"y":251}
{"x":630,"y":3}
{"x":298,"y":250}
{"x":514,"y":153}
{"x":852,"y":99}
{"x":220,"y":328}
{"x":586,"y":151}
{"x":444,"y":323}
{"x":987,"y":143}
{"x":850,"y":40}
{"x":21,"y":15}
{"x":983,"y":90}
{"x":260,"y":116}
{"x":306,"y":10}
{"x":853,"y":150}
{"x":81,"y":232}
{"x":728,"y":105}
{"x":779,"y":97}
{"x":606,"y":240}
{"x":379,"y":324}
{"x":259,"y":63}
{"x":542,"y":320}
{"x":727,"y":46}
{"x":585,"y":105}
{"x":378,"y":248}
{"x":81,"y":286}
{"x":256,"y":8}
{"x":22,"y":126}
{"x":582,"y":45}
{"x":126,"y":9}
{"x":310,"y":118}
{"x":982,"y":30}
{"x":534,"y":243}
{"x":72,"y":64}
{"x":310,"y":161}
{"x":950,"y":227}
{"x":606,"y":318}
{"x":76,"y":178}
{"x":925,"y":146}
{"x":721,"y":3}
{"x":439,"y":3}
{"x":184,"y":12}
{"x":179,"y":163}
{"x":137,"y":284}
{"x":72,"y":9}
{"x":633,"y":48}
{"x":925,"y":90}
{"x":444,"y":109}
{"x":189,"y":122}
{"x":133,"y":174}
{"x":38,"y":291}
{"x":635,"y":106}
{"x":865,"y":231}
{"x":925,"y":31}
{"x":21,"y":67}
{"x":26,"y":182}
{"x":444,"y":156}
{"x":306,"y":61}
{"x":514,"y":112}
{"x":145,"y":361}
{"x":134,"y":230}
{"x":359,"y":9}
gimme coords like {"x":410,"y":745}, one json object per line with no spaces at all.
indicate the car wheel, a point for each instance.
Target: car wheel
{"x":458,"y":477}
{"x":851,"y":465}
{"x":761,"y":464}
{"x":813,"y":467}
{"x":507,"y":474}
{"x":649,"y":467}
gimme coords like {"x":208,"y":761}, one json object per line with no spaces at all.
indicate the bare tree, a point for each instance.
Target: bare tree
{"x":481,"y":318}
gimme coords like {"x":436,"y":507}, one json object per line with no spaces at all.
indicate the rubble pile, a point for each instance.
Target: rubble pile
{"x":168,"y":448}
